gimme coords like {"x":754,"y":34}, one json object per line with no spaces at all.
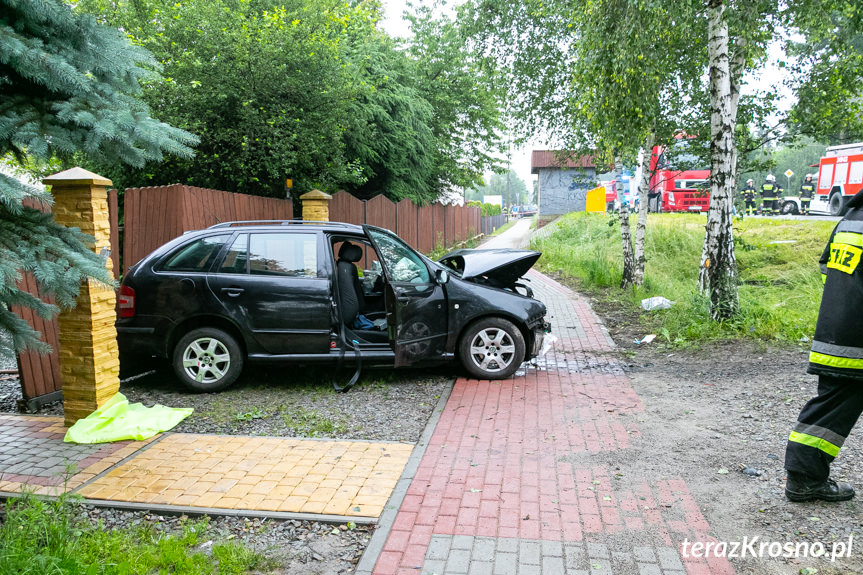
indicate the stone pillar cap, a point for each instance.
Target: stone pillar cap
{"x":76,"y":176}
{"x":316,"y":195}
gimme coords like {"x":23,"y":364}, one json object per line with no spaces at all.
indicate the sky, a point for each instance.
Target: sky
{"x":769,"y":78}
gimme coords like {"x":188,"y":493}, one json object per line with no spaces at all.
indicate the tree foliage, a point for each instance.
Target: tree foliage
{"x":509,"y":186}
{"x":67,"y":86}
{"x":311,"y":91}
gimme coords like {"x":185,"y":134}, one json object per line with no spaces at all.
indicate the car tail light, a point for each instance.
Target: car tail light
{"x":126,"y":302}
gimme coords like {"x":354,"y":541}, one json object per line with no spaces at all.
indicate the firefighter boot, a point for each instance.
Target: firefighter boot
{"x":800,"y":487}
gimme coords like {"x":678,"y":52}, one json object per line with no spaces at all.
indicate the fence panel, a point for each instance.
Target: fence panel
{"x":406,"y":222}
{"x":346,"y":208}
{"x":381,"y":212}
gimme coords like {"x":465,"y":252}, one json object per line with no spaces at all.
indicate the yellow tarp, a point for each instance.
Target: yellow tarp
{"x":118,"y":420}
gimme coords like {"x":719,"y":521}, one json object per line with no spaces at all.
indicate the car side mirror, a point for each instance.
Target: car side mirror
{"x":442,"y":276}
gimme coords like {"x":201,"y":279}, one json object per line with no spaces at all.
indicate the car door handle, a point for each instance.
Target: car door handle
{"x":233,"y":291}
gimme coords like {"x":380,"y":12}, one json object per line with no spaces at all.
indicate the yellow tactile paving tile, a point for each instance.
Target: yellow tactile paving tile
{"x":259,"y":473}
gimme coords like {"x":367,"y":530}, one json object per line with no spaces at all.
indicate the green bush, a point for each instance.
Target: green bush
{"x":780,"y":283}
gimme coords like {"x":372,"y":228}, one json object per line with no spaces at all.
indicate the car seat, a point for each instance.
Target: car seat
{"x":351,"y":296}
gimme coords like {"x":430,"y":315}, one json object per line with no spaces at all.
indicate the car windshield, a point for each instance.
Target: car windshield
{"x":401,"y":263}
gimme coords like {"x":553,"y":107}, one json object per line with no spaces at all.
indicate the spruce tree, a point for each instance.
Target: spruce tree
{"x":69,"y":87}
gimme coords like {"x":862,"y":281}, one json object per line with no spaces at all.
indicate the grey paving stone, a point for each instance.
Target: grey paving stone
{"x":458,"y":561}
{"x":648,"y":569}
{"x":621,"y":557}
{"x":552,"y":549}
{"x":433,"y":567}
{"x":505,"y":564}
{"x":481,"y":568}
{"x":597,"y":550}
{"x":600,"y":567}
{"x":462,"y":542}
{"x":575,"y":557}
{"x":529,"y":553}
{"x":439,"y":547}
{"x":553,"y":566}
{"x":644,"y":554}
{"x":483,"y":549}
{"x":669,"y":559}
{"x":529,"y":570}
{"x":507,"y":545}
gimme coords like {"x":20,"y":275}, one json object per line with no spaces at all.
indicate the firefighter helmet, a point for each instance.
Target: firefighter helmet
{"x":808,"y":177}
{"x":770,"y":178}
{"x":750,"y":181}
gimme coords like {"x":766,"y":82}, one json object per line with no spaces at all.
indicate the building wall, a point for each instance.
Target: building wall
{"x":564,"y":190}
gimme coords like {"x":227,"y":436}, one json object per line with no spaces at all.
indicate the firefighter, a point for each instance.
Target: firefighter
{"x":768,"y":195}
{"x":807,"y":190}
{"x":749,"y":194}
{"x":837,"y":359}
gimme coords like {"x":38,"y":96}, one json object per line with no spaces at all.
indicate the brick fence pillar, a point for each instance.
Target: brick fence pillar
{"x":316,"y":206}
{"x":89,"y":362}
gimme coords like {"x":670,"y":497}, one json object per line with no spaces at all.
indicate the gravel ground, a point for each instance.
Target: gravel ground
{"x":290,"y":547}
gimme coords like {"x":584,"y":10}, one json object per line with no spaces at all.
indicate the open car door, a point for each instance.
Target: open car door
{"x":415,"y":301}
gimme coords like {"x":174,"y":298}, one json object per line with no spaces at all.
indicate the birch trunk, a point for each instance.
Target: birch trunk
{"x":718,"y":273}
{"x":641,"y":225}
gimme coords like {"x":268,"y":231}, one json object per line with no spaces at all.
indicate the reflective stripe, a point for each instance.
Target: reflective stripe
{"x":815,"y":442}
{"x":837,"y":350}
{"x":823,"y":278}
{"x":850,"y":226}
{"x":850,"y":238}
{"x":822,"y":432}
{"x":833,"y":361}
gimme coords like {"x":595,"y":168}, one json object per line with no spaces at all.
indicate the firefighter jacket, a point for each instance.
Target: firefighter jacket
{"x":807,"y":190}
{"x":837,"y":348}
{"x":768,"y":190}
{"x":748,"y":193}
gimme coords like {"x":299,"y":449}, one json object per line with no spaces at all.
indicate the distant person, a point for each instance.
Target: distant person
{"x":807,"y":190}
{"x":768,"y":195}
{"x":837,"y":359}
{"x":749,"y":194}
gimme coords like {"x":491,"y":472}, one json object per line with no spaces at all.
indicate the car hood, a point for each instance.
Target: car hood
{"x":503,"y":266}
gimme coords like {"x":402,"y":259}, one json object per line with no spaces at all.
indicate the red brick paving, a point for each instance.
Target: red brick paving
{"x":508,"y":458}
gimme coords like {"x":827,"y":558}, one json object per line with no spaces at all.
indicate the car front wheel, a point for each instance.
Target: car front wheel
{"x":492,"y":348}
{"x":207,"y":359}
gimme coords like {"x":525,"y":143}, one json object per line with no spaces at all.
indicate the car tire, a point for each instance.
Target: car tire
{"x":789,"y":208}
{"x":492,"y":348}
{"x":207,"y":359}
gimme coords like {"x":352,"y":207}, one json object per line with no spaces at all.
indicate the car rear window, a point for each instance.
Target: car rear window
{"x":196,"y":256}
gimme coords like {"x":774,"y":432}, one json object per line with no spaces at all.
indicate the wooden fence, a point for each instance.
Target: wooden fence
{"x":423,"y":227}
{"x":156,"y":215}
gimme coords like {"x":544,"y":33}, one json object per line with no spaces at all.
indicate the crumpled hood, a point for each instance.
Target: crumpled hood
{"x":504,"y":266}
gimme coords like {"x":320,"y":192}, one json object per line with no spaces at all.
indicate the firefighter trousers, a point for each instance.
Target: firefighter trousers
{"x":749,"y":207}
{"x":822,"y":426}
{"x":804,"y":205}
{"x":767,"y":206}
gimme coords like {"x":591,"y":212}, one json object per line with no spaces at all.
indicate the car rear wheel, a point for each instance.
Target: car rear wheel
{"x":492,"y":348}
{"x":789,"y":208}
{"x":207,"y":359}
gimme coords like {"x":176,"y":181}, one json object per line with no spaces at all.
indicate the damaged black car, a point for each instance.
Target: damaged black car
{"x":212,"y":300}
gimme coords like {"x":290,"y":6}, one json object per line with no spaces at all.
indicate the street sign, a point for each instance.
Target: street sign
{"x":788,"y":173}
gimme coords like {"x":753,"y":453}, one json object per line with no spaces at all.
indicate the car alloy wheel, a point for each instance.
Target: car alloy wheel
{"x":492,"y":348}
{"x":207,"y":359}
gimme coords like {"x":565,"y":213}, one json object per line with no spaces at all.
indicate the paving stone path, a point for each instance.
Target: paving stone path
{"x":519,"y":477}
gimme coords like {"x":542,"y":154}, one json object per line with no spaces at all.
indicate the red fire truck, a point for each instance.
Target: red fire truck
{"x":677,"y":190}
{"x":840,"y":176}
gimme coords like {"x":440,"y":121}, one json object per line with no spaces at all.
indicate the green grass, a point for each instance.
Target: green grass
{"x":311,"y":422}
{"x":780,"y":287}
{"x":42,"y":536}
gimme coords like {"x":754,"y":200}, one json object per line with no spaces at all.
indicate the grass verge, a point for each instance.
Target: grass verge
{"x":41,"y":536}
{"x":780,"y":283}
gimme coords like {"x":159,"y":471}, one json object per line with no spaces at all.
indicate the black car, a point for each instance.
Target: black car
{"x":211,"y":300}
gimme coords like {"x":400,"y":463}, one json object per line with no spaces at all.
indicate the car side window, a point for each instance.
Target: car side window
{"x":237,"y":259}
{"x":196,"y":256}
{"x":400,"y":261}
{"x":284,"y":254}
